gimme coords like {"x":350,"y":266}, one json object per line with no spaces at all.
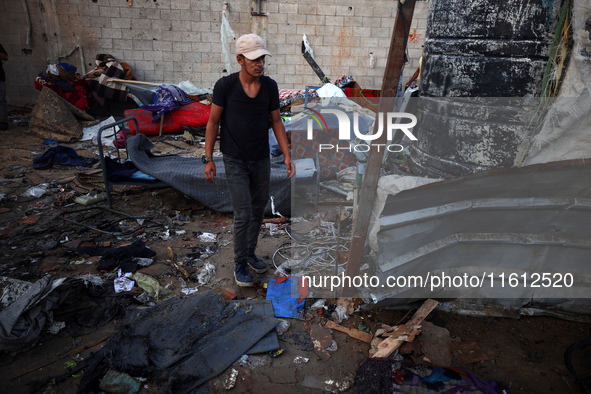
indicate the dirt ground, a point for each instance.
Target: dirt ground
{"x":524,"y":354}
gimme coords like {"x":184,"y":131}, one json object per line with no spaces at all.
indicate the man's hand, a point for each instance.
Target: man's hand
{"x":210,"y":171}
{"x":290,"y":167}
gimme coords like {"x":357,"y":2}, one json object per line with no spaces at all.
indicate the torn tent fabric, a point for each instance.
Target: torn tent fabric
{"x":107,"y":68}
{"x":31,"y":312}
{"x":22,"y":321}
{"x":62,"y":156}
{"x":169,"y":98}
{"x":287,"y":295}
{"x":180,"y":344}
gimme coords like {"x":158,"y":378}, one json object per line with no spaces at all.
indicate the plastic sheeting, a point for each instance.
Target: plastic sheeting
{"x":22,"y":321}
{"x":208,"y":334}
{"x":227,"y":35}
{"x":565,"y":132}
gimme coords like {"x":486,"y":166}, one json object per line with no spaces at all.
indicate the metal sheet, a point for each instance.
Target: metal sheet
{"x":525,"y":221}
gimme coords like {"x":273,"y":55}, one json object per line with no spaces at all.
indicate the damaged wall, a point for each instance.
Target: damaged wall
{"x":170,"y":41}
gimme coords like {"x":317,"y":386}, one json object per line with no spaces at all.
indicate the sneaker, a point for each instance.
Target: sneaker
{"x":256,"y":264}
{"x":242,"y":275}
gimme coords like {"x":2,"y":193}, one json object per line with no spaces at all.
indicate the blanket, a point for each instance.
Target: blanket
{"x":107,"y":68}
{"x":186,"y":175}
{"x":55,"y":118}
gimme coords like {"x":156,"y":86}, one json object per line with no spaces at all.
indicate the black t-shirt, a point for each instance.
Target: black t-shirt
{"x":245,"y":121}
{"x":2,"y":76}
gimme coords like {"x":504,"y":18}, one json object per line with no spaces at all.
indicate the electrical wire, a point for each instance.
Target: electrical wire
{"x":310,"y":254}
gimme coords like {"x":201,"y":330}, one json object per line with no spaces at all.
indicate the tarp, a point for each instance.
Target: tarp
{"x":22,"y":321}
{"x":565,"y":132}
{"x":287,"y":302}
{"x":180,"y":343}
{"x":186,"y":175}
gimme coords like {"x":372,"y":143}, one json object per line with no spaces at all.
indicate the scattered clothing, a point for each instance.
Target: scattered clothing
{"x":63,"y":79}
{"x":123,"y":257}
{"x":63,"y":156}
{"x":378,"y":375}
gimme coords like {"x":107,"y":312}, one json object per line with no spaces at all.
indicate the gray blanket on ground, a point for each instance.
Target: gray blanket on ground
{"x":185,"y":174}
{"x":209,"y":334}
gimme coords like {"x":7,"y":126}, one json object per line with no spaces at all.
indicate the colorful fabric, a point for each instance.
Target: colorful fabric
{"x":289,"y":96}
{"x":98,"y":79}
{"x":343,"y":81}
{"x":169,"y":98}
{"x":128,"y":74}
{"x":378,"y":375}
{"x":67,"y":83}
{"x":54,"y":118}
{"x":368,"y":98}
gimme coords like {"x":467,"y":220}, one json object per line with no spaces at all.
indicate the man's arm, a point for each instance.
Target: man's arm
{"x":279,"y":131}
{"x":3,"y":56}
{"x":211,"y":133}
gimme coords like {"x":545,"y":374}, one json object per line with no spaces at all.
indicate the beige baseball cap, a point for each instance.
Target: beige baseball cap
{"x":251,"y":46}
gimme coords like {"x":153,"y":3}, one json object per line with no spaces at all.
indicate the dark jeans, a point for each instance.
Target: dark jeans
{"x":248,"y":181}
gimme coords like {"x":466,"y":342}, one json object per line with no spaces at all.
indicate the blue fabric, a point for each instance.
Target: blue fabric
{"x":285,"y":297}
{"x":169,"y":98}
{"x":57,"y":81}
{"x":63,"y":156}
{"x":68,"y":67}
{"x":120,"y":172}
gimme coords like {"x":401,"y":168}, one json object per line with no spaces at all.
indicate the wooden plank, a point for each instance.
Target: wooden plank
{"x":353,"y":333}
{"x":394,"y":64}
{"x":390,"y":344}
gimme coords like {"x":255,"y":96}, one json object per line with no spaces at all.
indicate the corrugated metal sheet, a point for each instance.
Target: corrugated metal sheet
{"x":530,"y":221}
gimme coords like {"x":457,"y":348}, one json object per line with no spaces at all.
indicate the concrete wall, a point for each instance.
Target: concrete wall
{"x":169,"y":41}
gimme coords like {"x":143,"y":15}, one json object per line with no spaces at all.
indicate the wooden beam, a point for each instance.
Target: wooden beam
{"x":390,"y":344}
{"x":357,"y":334}
{"x":394,"y":65}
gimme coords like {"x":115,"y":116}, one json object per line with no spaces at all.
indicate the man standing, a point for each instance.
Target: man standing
{"x":244,"y":102}
{"x":3,"y":104}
